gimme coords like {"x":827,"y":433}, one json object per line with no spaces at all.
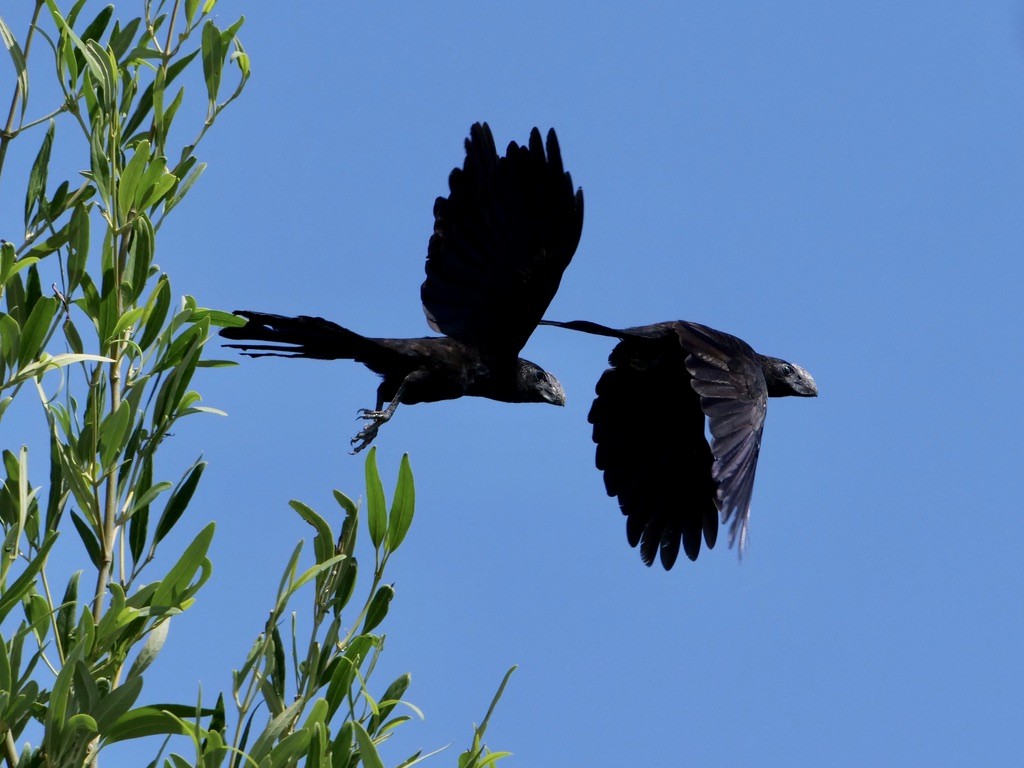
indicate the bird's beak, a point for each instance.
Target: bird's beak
{"x":553,"y":392}
{"x":805,"y":386}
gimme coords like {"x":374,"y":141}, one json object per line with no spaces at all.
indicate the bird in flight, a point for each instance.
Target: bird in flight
{"x":649,"y":417}
{"x":502,"y":239}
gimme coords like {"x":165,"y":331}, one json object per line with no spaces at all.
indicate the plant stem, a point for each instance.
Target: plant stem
{"x":108,"y":541}
{"x":10,"y":751}
{"x":7,"y":135}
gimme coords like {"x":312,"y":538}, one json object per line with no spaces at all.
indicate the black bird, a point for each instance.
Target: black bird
{"x":502,"y":239}
{"x":649,"y":418}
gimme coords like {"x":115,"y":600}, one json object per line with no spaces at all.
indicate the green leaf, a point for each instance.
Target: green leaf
{"x":34,"y":331}
{"x":180,"y":576}
{"x":147,"y":721}
{"x":116,"y":704}
{"x":156,"y":312}
{"x":378,"y":608}
{"x":35,"y":196}
{"x":289,"y":749}
{"x":178,"y":501}
{"x":190,"y":178}
{"x":25,"y":582}
{"x":277,"y":726}
{"x":113,"y":432}
{"x":190,"y":10}
{"x":78,"y":245}
{"x":127,"y":320}
{"x":98,"y":25}
{"x":341,"y":747}
{"x":323,"y":543}
{"x":213,"y":60}
{"x":121,"y":39}
{"x":128,"y":190}
{"x":376,"y":511}
{"x":51,"y":244}
{"x":367,"y":749}
{"x":402,"y":506}
{"x":92,"y":545}
{"x":390,"y":699}
{"x":68,"y":608}
{"x":57,"y":706}
{"x":345,"y":502}
{"x":72,"y":337}
{"x":99,"y":162}
{"x":20,"y":67}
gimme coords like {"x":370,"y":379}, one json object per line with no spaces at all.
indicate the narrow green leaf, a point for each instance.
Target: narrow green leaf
{"x":402,"y":506}
{"x":376,"y":511}
{"x":213,"y":60}
{"x":341,"y":747}
{"x":277,"y":726}
{"x":128,"y":191}
{"x":99,"y":162}
{"x":178,"y":501}
{"x":116,"y":704}
{"x":34,"y":331}
{"x":323,"y":543}
{"x":92,"y":545}
{"x":50,"y":245}
{"x":78,"y":245}
{"x":156,"y":312}
{"x":57,"y":706}
{"x":190,"y":10}
{"x":378,"y":607}
{"x":346,"y":503}
{"x":26,"y":581}
{"x":35,"y":196}
{"x":180,"y":575}
{"x":20,"y":67}
{"x":121,"y":39}
{"x":127,"y":320}
{"x":17,"y":57}
{"x":113,"y":432}
{"x":146,"y":721}
{"x":367,"y":749}
{"x":392,"y":695}
{"x":71,"y":334}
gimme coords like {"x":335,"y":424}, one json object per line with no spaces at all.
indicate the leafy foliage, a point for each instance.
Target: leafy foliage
{"x":111,"y":357}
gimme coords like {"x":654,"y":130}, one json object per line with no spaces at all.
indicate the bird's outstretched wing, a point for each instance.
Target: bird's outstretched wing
{"x":728,"y":377}
{"x":649,"y":431}
{"x":502,"y":239}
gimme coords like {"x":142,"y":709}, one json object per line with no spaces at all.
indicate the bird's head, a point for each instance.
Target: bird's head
{"x":536,"y":385}
{"x":785,"y":379}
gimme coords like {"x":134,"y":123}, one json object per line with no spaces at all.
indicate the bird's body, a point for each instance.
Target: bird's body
{"x":502,"y":239}
{"x":665,"y":382}
{"x":431,"y":368}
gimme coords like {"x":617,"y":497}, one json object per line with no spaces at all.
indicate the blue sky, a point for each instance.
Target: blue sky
{"x":842,"y":186}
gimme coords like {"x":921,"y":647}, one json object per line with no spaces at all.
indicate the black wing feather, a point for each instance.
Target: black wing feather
{"x":734,"y":396}
{"x":502,"y":239}
{"x":649,"y":431}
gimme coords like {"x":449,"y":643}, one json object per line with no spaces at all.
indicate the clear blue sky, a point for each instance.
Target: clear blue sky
{"x":840,"y":185}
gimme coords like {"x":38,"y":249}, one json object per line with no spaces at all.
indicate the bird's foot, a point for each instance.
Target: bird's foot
{"x":369,"y":432}
{"x":364,"y":437}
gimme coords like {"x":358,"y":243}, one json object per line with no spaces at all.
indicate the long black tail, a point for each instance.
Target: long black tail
{"x":585,"y":326}
{"x":301,"y":336}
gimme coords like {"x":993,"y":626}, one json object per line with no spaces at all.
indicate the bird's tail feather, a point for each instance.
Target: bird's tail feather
{"x":585,"y":326}
{"x":301,"y":336}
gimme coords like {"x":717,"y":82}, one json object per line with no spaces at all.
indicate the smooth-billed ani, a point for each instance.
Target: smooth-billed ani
{"x":649,"y":427}
{"x":502,"y":239}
